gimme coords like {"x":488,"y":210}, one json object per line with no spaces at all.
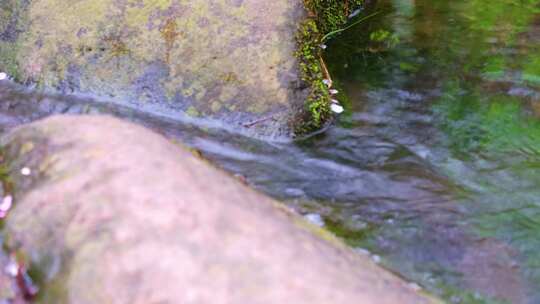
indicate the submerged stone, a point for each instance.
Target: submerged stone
{"x":230,"y":61}
{"x":114,"y":213}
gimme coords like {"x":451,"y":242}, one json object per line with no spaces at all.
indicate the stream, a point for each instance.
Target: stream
{"x":433,"y":169}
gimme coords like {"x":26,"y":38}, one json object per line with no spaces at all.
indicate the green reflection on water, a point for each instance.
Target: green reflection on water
{"x":473,"y":54}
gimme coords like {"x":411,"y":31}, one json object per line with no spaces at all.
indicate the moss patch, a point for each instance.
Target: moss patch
{"x":12,"y":18}
{"x":324,"y":16}
{"x":330,"y":15}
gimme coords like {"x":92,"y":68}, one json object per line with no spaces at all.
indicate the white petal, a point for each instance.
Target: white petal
{"x":3,"y":76}
{"x":333,"y":91}
{"x":362,"y":251}
{"x":355,"y":13}
{"x":336,"y":108}
{"x":327,"y":82}
{"x":334,"y":101}
{"x":26,"y":171}
{"x":414,"y":286}
{"x":323,"y":46}
{"x":315,"y":219}
{"x":12,"y":269}
{"x":6,"y":204}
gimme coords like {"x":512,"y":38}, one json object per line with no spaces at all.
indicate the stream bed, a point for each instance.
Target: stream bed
{"x":434,"y":168}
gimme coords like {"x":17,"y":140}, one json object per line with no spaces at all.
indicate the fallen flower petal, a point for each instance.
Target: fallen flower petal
{"x":26,"y":171}
{"x":336,"y":108}
{"x":6,"y":204}
{"x":12,"y":269}
{"x":355,"y":13}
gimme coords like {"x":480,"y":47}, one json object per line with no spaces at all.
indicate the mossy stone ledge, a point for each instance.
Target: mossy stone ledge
{"x":230,"y":62}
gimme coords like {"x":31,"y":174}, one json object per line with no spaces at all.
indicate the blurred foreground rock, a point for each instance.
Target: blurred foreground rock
{"x":114,"y":213}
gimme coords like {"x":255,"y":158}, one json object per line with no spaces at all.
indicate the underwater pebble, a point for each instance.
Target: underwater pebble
{"x":3,"y":76}
{"x":362,"y":251}
{"x":315,"y":219}
{"x":295,"y":192}
{"x":414,"y":286}
{"x":336,"y":108}
{"x":26,"y":171}
{"x":376,"y":258}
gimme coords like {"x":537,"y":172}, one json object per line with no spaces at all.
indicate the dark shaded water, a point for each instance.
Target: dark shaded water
{"x":435,"y":166}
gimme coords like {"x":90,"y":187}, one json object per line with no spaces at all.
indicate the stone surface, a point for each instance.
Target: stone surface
{"x":228,"y":60}
{"x":114,"y":213}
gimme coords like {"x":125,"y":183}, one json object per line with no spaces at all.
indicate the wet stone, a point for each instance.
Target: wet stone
{"x":228,"y":61}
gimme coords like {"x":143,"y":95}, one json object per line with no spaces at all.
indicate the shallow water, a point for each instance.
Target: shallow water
{"x":456,"y":85}
{"x":435,"y":165}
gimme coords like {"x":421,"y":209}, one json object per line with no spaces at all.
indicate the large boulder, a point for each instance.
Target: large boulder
{"x":110,"y":212}
{"x":228,"y":60}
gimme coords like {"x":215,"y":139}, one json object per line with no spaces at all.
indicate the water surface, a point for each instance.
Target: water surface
{"x":456,"y":85}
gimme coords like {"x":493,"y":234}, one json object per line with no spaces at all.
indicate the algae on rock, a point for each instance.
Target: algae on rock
{"x":231,"y":61}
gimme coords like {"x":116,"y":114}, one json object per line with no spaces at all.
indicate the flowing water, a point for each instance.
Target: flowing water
{"x":435,"y":166}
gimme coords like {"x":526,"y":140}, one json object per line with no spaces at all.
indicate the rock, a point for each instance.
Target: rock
{"x":231,"y":61}
{"x":114,"y":213}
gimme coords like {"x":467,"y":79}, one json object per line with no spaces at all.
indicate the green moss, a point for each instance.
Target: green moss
{"x":317,"y":105}
{"x":192,"y":112}
{"x":318,"y":232}
{"x":324,"y":16}
{"x":5,"y":178}
{"x":12,"y":16}
{"x":353,"y":236}
{"x":330,"y":15}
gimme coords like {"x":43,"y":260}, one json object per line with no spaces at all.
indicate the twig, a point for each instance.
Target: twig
{"x":332,"y":33}
{"x":325,"y":71}
{"x":251,"y":124}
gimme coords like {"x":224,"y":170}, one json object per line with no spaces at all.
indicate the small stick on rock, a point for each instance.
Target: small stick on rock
{"x":325,"y":71}
{"x":252,"y":123}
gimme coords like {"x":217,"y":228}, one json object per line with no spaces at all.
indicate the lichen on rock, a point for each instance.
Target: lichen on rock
{"x":232,"y":61}
{"x":225,"y":60}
